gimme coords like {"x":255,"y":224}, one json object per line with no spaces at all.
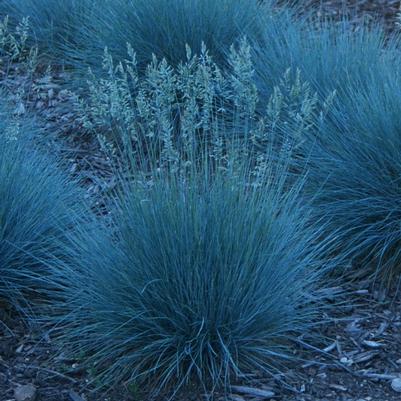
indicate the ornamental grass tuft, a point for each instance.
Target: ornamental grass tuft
{"x":38,"y":205}
{"x":355,"y":152}
{"x":357,"y":66}
{"x":163,"y":29}
{"x":76,"y":32}
{"x":211,"y":274}
{"x":355,"y":180}
{"x":54,"y":23}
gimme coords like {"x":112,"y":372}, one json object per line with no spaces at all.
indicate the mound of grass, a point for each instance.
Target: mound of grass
{"x":355,"y":180}
{"x":355,"y":152}
{"x":39,"y":204}
{"x":54,"y":23}
{"x":332,"y":57}
{"x":208,"y":277}
{"x":329,"y":55}
{"x":165,"y":28}
{"x":78,"y":31}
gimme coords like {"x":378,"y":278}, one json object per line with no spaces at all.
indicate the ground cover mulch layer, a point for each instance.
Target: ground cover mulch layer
{"x":384,"y":11}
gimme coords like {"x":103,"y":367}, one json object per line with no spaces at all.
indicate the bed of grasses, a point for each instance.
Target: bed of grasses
{"x":258,"y":161}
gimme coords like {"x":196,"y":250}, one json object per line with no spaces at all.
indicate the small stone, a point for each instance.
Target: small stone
{"x":255,"y":392}
{"x":25,"y":393}
{"x":396,"y":385}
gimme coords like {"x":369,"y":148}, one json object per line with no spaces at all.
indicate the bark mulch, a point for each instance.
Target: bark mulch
{"x":385,"y":12}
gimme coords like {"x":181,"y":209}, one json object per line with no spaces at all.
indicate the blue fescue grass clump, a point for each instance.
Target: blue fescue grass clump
{"x":332,"y":58}
{"x":354,"y":156}
{"x":357,"y":69}
{"x":355,"y":179}
{"x":77,"y":31}
{"x":54,"y":23}
{"x":329,"y":55}
{"x":354,"y":175}
{"x":212,"y":274}
{"x":164,"y":28}
{"x":38,"y":205}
